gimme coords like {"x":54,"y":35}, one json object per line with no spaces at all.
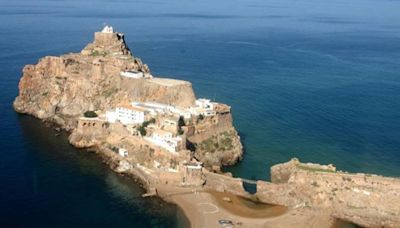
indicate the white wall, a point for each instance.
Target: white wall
{"x":129,"y":116}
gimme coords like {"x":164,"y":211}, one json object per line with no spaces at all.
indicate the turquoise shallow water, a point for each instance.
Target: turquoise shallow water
{"x":309,"y":79}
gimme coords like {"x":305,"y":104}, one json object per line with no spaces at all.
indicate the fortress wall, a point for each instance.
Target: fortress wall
{"x":88,"y":133}
{"x":279,"y":194}
{"x":212,"y":126}
{"x":92,"y":126}
{"x":145,"y":90}
{"x":223,"y":183}
{"x":360,"y":198}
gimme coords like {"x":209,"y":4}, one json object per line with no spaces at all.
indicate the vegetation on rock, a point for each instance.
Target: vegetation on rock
{"x":142,"y":128}
{"x":181,"y":123}
{"x":90,"y":114}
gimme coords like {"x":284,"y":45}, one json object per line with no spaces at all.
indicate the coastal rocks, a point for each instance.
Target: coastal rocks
{"x":281,"y":173}
{"x":123,"y":166}
{"x":220,"y":149}
{"x":367,"y":200}
{"x":215,"y":140}
{"x":60,"y":89}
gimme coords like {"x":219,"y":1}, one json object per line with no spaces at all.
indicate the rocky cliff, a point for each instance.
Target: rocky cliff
{"x":60,"y":89}
{"x":64,"y":87}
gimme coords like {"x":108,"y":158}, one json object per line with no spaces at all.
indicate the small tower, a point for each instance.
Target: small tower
{"x":107,"y":29}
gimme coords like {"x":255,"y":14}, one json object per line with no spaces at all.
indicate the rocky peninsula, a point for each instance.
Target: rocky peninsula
{"x":157,"y":131}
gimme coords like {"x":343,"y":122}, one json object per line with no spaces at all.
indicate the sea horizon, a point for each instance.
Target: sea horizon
{"x":313,"y":80}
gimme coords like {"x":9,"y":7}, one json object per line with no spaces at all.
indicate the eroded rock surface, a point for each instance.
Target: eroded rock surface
{"x":364,"y":199}
{"x":60,"y":89}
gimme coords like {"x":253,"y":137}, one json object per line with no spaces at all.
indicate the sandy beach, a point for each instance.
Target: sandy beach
{"x":209,"y":208}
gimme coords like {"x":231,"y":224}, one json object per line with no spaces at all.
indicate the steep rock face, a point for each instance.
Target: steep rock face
{"x":64,"y":87}
{"x":60,"y":89}
{"x":216,"y":141}
{"x":223,"y":148}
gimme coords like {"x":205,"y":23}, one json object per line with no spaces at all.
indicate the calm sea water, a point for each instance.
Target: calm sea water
{"x":312,"y":79}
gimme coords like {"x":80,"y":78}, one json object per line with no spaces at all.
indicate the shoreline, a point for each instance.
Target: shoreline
{"x":176,"y":146}
{"x":201,"y":206}
{"x":203,"y":210}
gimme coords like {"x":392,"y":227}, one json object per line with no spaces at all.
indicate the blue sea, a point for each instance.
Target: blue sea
{"x":316,"y":80}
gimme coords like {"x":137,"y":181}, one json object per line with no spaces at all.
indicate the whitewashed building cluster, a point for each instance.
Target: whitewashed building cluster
{"x":165,"y":140}
{"x":137,"y":112}
{"x":126,"y":114}
{"x":155,"y":109}
{"x":202,"y":107}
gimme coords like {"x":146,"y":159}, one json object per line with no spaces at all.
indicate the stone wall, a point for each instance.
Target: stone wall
{"x":210,"y":126}
{"x":224,"y":183}
{"x":89,"y":132}
{"x":368,"y":200}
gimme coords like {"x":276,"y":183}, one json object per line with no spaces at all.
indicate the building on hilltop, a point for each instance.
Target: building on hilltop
{"x":107,"y":42}
{"x":126,"y":114}
{"x":108,"y":29}
{"x":181,"y":112}
{"x":203,"y":107}
{"x":166,"y":140}
{"x":153,"y":108}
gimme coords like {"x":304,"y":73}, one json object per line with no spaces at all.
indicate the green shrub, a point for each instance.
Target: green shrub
{"x":90,"y":114}
{"x":181,"y":121}
{"x":142,"y":130}
{"x":201,"y":117}
{"x":146,"y":123}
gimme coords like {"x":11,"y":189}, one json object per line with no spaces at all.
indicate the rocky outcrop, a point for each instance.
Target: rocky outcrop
{"x":281,"y":173}
{"x":367,"y":200}
{"x":215,"y":140}
{"x":222,"y":148}
{"x":62,"y":88}
{"x":107,"y":43}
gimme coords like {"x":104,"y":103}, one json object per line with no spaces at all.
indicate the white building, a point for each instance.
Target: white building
{"x":107,"y":29}
{"x":153,"y":108}
{"x":182,"y":112}
{"x":126,"y":114}
{"x":111,"y":116}
{"x":203,"y":107}
{"x":204,"y":103}
{"x":165,"y":140}
{"x":122,"y":152}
